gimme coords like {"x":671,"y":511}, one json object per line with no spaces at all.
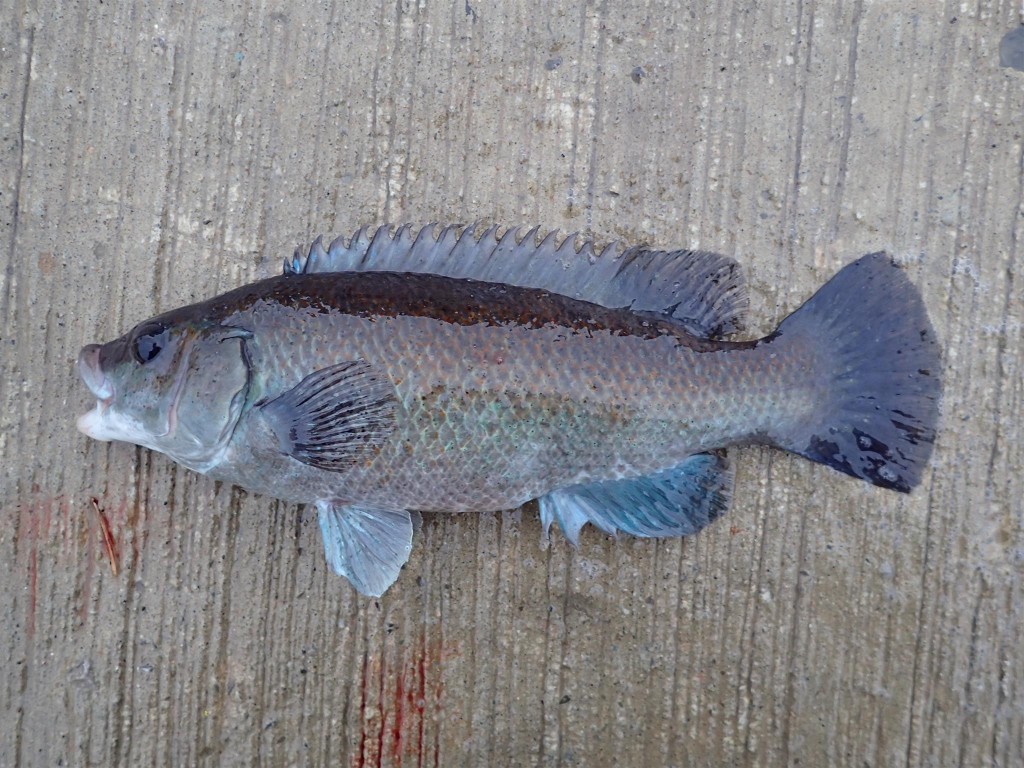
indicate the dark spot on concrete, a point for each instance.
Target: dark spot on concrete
{"x":637,"y":74}
{"x":1011,"y":49}
{"x":553,"y":64}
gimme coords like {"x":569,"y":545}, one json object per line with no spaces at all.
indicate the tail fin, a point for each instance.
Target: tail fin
{"x":869,"y":320}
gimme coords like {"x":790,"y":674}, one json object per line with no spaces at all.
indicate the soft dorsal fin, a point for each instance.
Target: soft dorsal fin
{"x":703,"y":291}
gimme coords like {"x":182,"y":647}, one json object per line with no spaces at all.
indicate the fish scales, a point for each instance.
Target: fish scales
{"x":485,"y":421}
{"x":374,"y":393}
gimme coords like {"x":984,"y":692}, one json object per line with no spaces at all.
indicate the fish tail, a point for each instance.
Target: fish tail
{"x":881,"y":383}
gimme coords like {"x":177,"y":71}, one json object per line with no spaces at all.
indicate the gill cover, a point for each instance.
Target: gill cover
{"x":213,"y":392}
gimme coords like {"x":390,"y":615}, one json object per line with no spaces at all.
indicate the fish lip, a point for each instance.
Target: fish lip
{"x":92,"y":374}
{"x":91,"y":422}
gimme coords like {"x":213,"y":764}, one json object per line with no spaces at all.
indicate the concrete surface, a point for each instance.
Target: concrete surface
{"x":155,"y":153}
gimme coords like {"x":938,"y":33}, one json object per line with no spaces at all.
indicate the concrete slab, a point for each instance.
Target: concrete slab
{"x":160,"y":152}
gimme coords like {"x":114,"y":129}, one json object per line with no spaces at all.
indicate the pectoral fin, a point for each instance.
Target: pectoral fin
{"x":366,"y":545}
{"x":334,"y":416}
{"x":674,"y":502}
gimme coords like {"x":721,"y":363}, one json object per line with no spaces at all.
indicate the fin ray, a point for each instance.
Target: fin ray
{"x":333,"y":416}
{"x":674,"y":502}
{"x":869,"y":326}
{"x":366,"y":545}
{"x":702,"y":291}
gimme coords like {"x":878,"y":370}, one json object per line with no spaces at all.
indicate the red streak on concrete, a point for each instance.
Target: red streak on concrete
{"x":404,"y":710}
{"x":53,"y":534}
{"x":396,"y":725}
{"x":35,"y":514}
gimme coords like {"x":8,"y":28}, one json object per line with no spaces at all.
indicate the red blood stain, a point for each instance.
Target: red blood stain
{"x":396,"y":727}
{"x":53,"y":533}
{"x":35,"y":514}
{"x":396,"y":723}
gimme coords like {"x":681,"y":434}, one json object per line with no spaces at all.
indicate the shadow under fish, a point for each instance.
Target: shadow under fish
{"x":462,"y":370}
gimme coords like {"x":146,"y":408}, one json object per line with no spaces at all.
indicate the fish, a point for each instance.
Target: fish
{"x":449,"y":369}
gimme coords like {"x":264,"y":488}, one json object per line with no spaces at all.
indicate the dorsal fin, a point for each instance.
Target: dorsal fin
{"x":703,"y":291}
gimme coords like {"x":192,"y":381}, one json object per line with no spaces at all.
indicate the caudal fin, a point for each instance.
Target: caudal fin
{"x":879,"y":421}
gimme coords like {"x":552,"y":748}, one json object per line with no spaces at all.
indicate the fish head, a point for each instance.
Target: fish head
{"x":172,"y":384}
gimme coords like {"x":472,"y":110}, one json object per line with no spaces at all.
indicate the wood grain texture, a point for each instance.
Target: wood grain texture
{"x":153,"y":154}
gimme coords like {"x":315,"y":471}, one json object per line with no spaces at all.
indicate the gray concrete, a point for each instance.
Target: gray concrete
{"x":155,"y":153}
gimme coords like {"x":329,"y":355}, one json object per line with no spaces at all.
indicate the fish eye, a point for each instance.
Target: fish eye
{"x":150,"y":341}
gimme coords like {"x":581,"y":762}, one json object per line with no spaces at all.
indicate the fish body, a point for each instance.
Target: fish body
{"x":483,"y":420}
{"x":386,"y":376}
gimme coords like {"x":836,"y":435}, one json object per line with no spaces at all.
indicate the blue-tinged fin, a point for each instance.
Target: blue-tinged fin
{"x":870,"y":331}
{"x":700,"y":290}
{"x":366,"y":545}
{"x":334,"y":416}
{"x":674,"y":502}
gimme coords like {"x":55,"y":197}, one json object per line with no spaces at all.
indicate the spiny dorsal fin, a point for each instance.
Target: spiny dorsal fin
{"x":703,"y":291}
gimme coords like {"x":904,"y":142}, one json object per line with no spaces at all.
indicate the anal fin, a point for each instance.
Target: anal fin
{"x":674,"y":502}
{"x":366,"y":545}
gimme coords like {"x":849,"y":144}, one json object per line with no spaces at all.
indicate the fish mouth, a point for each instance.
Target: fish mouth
{"x":99,"y":385}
